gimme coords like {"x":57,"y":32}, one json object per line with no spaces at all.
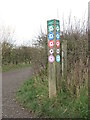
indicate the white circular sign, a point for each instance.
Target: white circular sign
{"x":51,"y":51}
{"x":51,"y":28}
{"x":57,"y":51}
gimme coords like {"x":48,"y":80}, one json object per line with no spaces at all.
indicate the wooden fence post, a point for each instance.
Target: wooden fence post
{"x":64,"y":59}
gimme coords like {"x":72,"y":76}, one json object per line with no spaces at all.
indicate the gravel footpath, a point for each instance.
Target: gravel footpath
{"x":11,"y":81}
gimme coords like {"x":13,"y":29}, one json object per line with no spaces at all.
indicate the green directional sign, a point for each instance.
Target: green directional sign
{"x":51,"y":28}
{"x":57,"y":22}
{"x":51,"y":22}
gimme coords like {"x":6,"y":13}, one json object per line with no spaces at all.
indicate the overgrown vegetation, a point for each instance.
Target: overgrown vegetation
{"x":14,"y":66}
{"x":33,"y":95}
{"x":15,"y":55}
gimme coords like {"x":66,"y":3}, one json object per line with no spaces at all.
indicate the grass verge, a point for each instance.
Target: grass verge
{"x":11,"y":67}
{"x":33,"y":95}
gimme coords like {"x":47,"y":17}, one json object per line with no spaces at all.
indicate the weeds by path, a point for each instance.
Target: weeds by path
{"x":33,"y":95}
{"x":11,"y":67}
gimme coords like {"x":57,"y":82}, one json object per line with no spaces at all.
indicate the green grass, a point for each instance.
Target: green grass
{"x":11,"y":67}
{"x":33,"y":95}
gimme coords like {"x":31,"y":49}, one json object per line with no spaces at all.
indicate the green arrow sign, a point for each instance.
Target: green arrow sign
{"x":57,"y":28}
{"x":57,"y":22}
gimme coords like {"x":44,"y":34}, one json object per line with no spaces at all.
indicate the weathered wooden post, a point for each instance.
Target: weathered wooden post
{"x":53,"y":37}
{"x":64,"y":59}
{"x":51,"y":58}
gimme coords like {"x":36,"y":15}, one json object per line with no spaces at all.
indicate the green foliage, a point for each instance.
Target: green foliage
{"x":15,"y":55}
{"x":33,"y":95}
{"x":14,"y":66}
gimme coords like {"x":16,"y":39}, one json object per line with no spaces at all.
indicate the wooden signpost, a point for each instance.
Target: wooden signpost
{"x":53,"y":39}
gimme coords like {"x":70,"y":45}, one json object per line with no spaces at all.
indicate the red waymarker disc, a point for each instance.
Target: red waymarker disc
{"x":57,"y":43}
{"x":51,"y":43}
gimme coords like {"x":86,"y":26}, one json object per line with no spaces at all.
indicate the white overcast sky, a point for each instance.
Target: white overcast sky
{"x":27,"y":16}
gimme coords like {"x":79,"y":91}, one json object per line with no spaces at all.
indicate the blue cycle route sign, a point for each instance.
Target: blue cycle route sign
{"x":51,"y":36}
{"x":57,"y":36}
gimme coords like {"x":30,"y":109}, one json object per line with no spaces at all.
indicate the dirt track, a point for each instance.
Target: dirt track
{"x":10,"y":83}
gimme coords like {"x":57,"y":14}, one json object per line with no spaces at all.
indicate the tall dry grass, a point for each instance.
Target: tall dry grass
{"x":77,"y":58}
